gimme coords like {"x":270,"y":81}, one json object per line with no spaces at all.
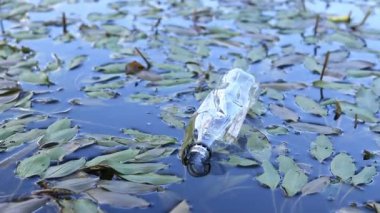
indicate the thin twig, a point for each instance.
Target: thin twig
{"x":338,"y":110}
{"x":148,"y":64}
{"x":355,"y":27}
{"x":325,"y":65}
{"x":64,"y":23}
{"x":303,"y":5}
{"x":316,"y":25}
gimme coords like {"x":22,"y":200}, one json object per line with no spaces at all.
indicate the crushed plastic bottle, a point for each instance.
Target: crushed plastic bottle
{"x":219,"y":118}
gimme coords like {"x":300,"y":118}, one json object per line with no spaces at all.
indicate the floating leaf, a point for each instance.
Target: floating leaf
{"x":152,"y":178}
{"x":77,"y":61}
{"x":34,"y":165}
{"x":77,"y":185}
{"x":257,"y":53}
{"x":148,"y":138}
{"x":310,"y":106}
{"x":365,"y":176}
{"x":121,"y":156}
{"x":112,"y":68}
{"x":126,"y":187}
{"x":137,"y":168}
{"x":367,"y":99}
{"x":321,"y":148}
{"x":235,"y":160}
{"x":277,"y":130}
{"x":288,"y":60}
{"x":116,"y":199}
{"x":270,"y":177}
{"x":283,"y":112}
{"x":283,"y":86}
{"x":286,"y":164}
{"x":35,"y":78}
{"x":79,"y":205}
{"x":316,"y":128}
{"x":294,"y":181}
{"x":343,"y":166}
{"x":274,"y":94}
{"x":64,"y":169}
{"x":315,"y":186}
{"x":29,"y":205}
{"x":361,"y":113}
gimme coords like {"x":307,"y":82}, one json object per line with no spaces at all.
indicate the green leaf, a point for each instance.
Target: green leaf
{"x":274,"y":94}
{"x":76,"y":185}
{"x":343,"y":166}
{"x":77,"y":61}
{"x":321,"y":148}
{"x":293,"y":182}
{"x":78,"y":205}
{"x":277,"y":130}
{"x":368,"y":100}
{"x":64,"y":169}
{"x":152,"y":178}
{"x":126,"y":187}
{"x":283,"y":112}
{"x":117,"y":199}
{"x":121,"y":157}
{"x":22,"y":137}
{"x":349,"y":40}
{"x":153,"y":154}
{"x":257,"y":53}
{"x":286,"y":164}
{"x":137,"y":168}
{"x":346,"y":88}
{"x":29,"y":205}
{"x":316,"y":128}
{"x":310,"y":106}
{"x":148,"y":138}
{"x":111,"y":68}
{"x":235,"y":160}
{"x":34,"y":165}
{"x":35,"y":78}
{"x":363,"y":114}
{"x":270,"y":177}
{"x":258,"y":145}
{"x":365,"y":176}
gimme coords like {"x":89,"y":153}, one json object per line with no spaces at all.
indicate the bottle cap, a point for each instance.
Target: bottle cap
{"x":197,"y":160}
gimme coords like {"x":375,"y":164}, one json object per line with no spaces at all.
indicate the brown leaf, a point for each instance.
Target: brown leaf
{"x":134,"y":67}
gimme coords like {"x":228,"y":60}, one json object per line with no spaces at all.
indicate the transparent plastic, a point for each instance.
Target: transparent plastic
{"x":221,"y":115}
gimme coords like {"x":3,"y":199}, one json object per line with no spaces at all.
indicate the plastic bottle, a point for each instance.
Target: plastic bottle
{"x":219,"y":118}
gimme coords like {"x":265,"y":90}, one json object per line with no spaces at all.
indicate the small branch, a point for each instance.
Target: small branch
{"x":325,"y":65}
{"x":316,"y":25}
{"x":321,"y":96}
{"x":64,"y":23}
{"x":148,"y":64}
{"x":355,"y":27}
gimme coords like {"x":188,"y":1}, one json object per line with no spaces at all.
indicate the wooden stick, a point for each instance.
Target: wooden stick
{"x":356,"y":121}
{"x":64,"y":23}
{"x":325,"y":65}
{"x":148,"y":64}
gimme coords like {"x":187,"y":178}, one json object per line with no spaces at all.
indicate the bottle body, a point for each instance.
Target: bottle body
{"x":221,"y":115}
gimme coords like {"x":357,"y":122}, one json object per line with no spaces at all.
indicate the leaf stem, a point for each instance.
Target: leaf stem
{"x":64,"y":23}
{"x":325,"y":65}
{"x":317,"y":19}
{"x":368,"y":13}
{"x":148,"y":64}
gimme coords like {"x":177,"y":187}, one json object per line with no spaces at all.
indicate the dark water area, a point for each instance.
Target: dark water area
{"x":226,"y":188}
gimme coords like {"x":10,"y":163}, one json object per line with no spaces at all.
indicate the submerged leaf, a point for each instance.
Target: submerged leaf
{"x":77,"y":61}
{"x":258,"y":145}
{"x":315,"y":186}
{"x":126,"y":187}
